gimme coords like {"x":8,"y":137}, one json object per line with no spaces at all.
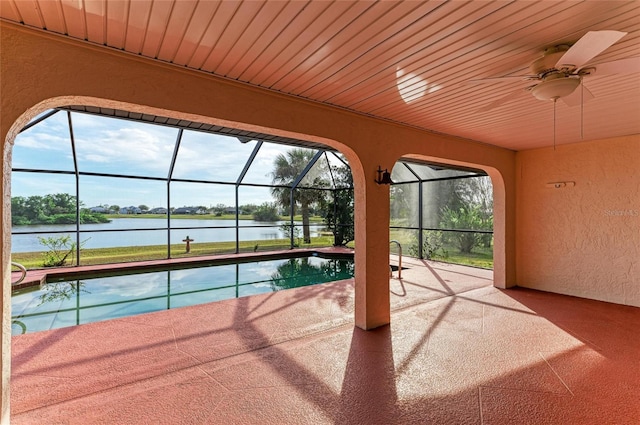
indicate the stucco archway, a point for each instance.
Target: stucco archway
{"x":23,"y":119}
{"x":500,"y":250}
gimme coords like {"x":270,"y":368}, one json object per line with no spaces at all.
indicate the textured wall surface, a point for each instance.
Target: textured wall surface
{"x":581,"y":240}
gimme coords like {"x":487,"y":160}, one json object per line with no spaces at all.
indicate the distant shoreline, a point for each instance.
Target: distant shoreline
{"x":314,"y":219}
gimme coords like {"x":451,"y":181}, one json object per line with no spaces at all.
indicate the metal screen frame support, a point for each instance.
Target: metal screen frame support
{"x":295,"y":184}
{"x":292,"y":213}
{"x":243,"y":173}
{"x":420,"y":235}
{"x":172,"y":165}
{"x":39,"y":120}
{"x":77,"y":177}
{"x":420,"y":222}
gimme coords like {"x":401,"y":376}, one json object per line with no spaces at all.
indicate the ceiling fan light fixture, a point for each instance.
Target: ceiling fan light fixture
{"x":556,"y":88}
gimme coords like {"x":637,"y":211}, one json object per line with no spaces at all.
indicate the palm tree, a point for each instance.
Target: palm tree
{"x":286,"y":170}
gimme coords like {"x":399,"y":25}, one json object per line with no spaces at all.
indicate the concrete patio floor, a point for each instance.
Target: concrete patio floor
{"x":458,"y":351}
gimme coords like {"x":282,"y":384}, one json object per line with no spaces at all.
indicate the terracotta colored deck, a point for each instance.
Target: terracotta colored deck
{"x":458,"y":352}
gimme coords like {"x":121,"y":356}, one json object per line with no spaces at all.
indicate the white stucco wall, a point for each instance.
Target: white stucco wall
{"x":581,"y":240}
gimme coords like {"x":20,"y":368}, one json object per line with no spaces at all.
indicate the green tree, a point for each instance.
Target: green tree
{"x":470,"y":208}
{"x":248,"y":209}
{"x":59,"y":208}
{"x":61,"y":203}
{"x":287,"y":168}
{"x":338,"y":209}
{"x":479,"y":193}
{"x":266,"y":212}
{"x":403,"y":198}
{"x":464,"y":218}
{"x":19,"y":211}
{"x":219,"y":209}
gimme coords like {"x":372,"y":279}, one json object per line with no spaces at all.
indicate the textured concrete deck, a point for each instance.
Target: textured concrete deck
{"x":458,"y":351}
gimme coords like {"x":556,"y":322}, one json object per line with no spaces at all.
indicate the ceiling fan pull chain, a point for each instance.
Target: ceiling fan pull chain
{"x":581,"y":110}
{"x":554,"y":122}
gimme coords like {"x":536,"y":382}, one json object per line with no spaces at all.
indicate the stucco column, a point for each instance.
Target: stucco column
{"x":372,"y":308}
{"x":5,"y":291}
{"x":6,"y":119}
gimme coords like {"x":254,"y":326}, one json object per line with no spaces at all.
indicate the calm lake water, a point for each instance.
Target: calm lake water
{"x":181,"y":228}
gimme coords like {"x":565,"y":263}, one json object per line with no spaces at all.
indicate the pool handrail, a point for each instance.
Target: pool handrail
{"x":399,"y":258}
{"x":22,"y":269}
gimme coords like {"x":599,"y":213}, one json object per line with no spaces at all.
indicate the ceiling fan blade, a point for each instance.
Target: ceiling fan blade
{"x":588,"y":47}
{"x":579,"y":96}
{"x":507,"y":79}
{"x":622,"y":66}
{"x":505,"y":99}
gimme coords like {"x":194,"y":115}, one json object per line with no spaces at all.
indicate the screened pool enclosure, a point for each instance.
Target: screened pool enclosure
{"x":95,"y":185}
{"x":441,"y":213}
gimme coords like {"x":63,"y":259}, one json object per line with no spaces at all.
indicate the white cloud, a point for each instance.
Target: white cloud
{"x":145,"y":284}
{"x":96,"y":158}
{"x":263,"y":269}
{"x":23,"y":184}
{"x":211,"y":157}
{"x":43,"y":141}
{"x":126,"y":150}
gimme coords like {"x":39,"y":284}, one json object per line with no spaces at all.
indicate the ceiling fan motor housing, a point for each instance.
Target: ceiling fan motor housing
{"x":556,"y":83}
{"x":547,"y":63}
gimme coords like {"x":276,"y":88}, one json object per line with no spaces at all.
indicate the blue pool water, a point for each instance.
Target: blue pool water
{"x":74,"y":302}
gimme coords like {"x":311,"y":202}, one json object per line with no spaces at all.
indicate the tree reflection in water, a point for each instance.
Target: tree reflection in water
{"x":61,"y":291}
{"x":302,"y":271}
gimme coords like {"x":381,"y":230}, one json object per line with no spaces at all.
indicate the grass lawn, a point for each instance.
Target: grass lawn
{"x":33,"y":260}
{"x":479,"y":257}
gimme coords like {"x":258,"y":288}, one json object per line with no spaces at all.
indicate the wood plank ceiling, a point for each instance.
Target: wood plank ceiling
{"x":408,"y":62}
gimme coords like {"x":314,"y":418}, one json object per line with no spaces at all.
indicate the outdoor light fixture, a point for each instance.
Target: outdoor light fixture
{"x":384,"y":176}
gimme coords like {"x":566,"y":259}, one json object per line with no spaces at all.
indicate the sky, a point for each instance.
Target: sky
{"x":116,"y":146}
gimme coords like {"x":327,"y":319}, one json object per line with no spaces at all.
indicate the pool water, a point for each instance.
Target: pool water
{"x":74,"y":302}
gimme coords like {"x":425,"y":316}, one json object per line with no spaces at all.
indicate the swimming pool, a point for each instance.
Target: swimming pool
{"x":63,"y":303}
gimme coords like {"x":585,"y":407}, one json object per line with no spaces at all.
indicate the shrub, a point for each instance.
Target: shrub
{"x":465,"y":218}
{"x":59,"y":249}
{"x":287,"y":229}
{"x":432,"y":245}
{"x":266,"y":212}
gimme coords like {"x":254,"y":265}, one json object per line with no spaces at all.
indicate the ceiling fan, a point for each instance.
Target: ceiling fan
{"x":560,"y":70}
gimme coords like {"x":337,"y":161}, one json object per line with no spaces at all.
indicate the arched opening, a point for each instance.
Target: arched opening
{"x":453,"y":212}
{"x":95,"y":185}
{"x":442,"y":213}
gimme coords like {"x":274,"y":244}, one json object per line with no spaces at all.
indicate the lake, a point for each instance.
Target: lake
{"x":181,"y":228}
